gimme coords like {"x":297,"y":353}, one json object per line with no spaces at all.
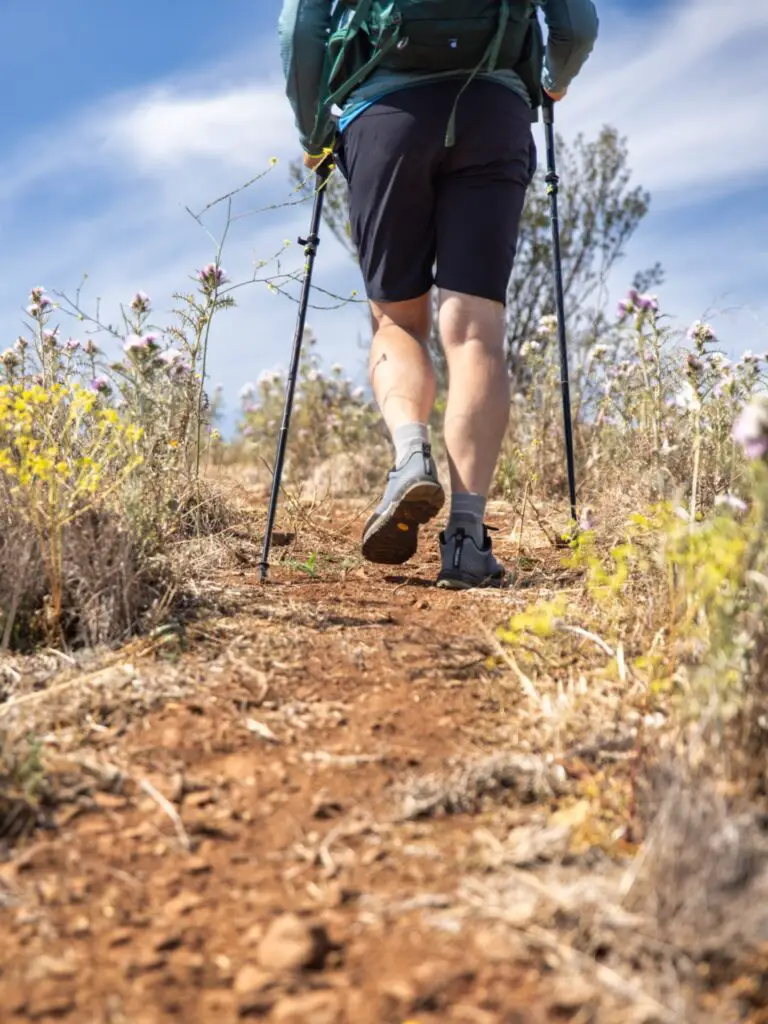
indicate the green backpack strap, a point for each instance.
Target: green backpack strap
{"x":488,"y":63}
{"x":334,"y":61}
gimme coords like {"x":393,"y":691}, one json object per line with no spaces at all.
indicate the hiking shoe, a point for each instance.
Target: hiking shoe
{"x":465,"y":565}
{"x":413,"y":496}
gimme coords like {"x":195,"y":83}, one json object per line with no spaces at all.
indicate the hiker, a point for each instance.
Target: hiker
{"x":426,"y":108}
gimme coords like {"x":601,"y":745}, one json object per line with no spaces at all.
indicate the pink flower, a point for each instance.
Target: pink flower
{"x":750,"y":430}
{"x":211,"y":277}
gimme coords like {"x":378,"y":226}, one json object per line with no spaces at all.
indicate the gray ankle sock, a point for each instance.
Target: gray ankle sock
{"x":467,"y":512}
{"x":409,"y":439}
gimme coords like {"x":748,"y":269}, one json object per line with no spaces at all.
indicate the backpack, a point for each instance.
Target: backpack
{"x":429,"y":36}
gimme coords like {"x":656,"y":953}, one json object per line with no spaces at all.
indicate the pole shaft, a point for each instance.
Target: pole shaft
{"x":310,"y":244}
{"x":553,"y":185}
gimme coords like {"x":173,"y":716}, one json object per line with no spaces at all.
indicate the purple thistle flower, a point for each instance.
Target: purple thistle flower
{"x":586,"y":519}
{"x":170,"y":356}
{"x":50,"y":337}
{"x":101,"y":385}
{"x":140,"y":346}
{"x":72,"y":345}
{"x":90,"y":348}
{"x":700,"y":332}
{"x":624,"y":307}
{"x":21,"y":344}
{"x":647,"y":303}
{"x":750,"y":430}
{"x":731,"y":501}
{"x":211,"y":277}
{"x":140,"y":302}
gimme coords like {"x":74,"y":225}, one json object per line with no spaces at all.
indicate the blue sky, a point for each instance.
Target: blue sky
{"x":125,"y":113}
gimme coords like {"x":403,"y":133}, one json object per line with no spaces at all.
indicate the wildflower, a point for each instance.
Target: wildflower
{"x":623,"y":309}
{"x":647,"y":303}
{"x":598,"y":352}
{"x":9,"y":358}
{"x":337,"y":368}
{"x":51,"y":337}
{"x":21,"y":344}
{"x":101,"y":385}
{"x":72,"y":345}
{"x":586,"y":519}
{"x":38,"y":302}
{"x":179,"y":369}
{"x":90,"y":348}
{"x":750,"y":357}
{"x":750,"y":430}
{"x":140,"y":345}
{"x":731,"y":501}
{"x":547,"y":326}
{"x":211,"y":277}
{"x":246,"y":391}
{"x":720,"y":362}
{"x":529,"y":348}
{"x":140,"y":303}
{"x":700,"y":332}
{"x":215,"y":435}
{"x":170,"y":356}
{"x":687,"y":398}
{"x":694,"y":364}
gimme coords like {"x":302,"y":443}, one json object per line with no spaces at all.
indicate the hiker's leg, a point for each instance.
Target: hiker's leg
{"x":388,"y":155}
{"x":401,"y":372}
{"x":480,"y":194}
{"x":473,"y":333}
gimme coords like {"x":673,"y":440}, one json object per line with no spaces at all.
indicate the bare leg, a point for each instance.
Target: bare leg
{"x":401,"y":371}
{"x":472,"y":332}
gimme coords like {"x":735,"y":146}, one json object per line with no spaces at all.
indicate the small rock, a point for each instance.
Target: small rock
{"x":252,"y":991}
{"x":251,"y":979}
{"x":182,"y":904}
{"x":253,"y":936}
{"x":313,"y":1008}
{"x":80,"y":927}
{"x":197,"y":866}
{"x":146,"y":960}
{"x":44,"y":966}
{"x":571,"y":993}
{"x":292,"y":944}
{"x":120,"y":937}
{"x":50,"y":1002}
{"x":167,"y":941}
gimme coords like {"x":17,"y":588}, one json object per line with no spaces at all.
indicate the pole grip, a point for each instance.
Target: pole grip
{"x":547,"y":107}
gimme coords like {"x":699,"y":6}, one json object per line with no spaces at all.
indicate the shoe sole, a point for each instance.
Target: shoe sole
{"x":392,"y":536}
{"x":455,"y":581}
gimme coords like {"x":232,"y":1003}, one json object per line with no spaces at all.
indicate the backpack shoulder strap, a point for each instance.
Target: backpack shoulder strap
{"x":340,"y":39}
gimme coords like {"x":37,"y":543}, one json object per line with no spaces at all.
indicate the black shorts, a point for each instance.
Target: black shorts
{"x":422,"y":214}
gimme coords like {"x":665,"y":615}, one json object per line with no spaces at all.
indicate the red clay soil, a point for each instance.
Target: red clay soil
{"x":255,"y":843}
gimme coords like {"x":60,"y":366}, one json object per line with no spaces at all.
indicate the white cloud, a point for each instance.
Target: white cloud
{"x":688,"y":85}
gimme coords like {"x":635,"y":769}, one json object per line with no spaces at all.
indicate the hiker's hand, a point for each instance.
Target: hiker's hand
{"x":555,"y":96}
{"x":313,"y":162}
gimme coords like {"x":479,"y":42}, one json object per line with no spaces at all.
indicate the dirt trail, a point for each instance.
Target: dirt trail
{"x":331,"y":806}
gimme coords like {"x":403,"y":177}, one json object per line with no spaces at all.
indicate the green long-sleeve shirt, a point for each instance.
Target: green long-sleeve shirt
{"x":303,"y":30}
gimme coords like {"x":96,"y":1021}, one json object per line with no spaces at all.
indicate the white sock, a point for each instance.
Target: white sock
{"x":467,"y":512}
{"x":409,"y":438}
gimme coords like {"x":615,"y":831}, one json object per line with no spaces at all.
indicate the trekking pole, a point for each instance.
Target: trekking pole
{"x":310,"y":244}
{"x":553,"y":185}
